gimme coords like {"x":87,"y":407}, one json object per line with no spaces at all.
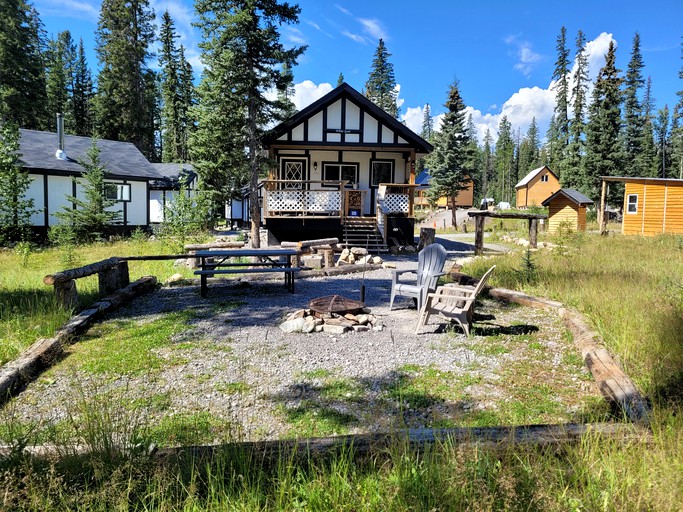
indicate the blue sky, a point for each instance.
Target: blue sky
{"x":502,"y":52}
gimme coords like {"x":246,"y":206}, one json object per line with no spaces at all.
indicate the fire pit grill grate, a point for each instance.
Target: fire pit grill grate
{"x":335,"y":304}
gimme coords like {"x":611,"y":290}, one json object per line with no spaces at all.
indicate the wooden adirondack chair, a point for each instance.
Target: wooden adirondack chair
{"x":430,"y":263}
{"x":453,"y":302}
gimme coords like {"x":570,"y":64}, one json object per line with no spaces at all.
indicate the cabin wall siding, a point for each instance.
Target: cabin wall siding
{"x":538,"y":191}
{"x":563,"y":210}
{"x":660,"y":208}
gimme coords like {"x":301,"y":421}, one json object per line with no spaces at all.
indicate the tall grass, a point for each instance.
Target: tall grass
{"x":28,"y":310}
{"x":630,"y":288}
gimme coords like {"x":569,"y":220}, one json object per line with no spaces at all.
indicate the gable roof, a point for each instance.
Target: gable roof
{"x":346,"y":91}
{"x":122,"y":159}
{"x":571,"y":194}
{"x":533,"y":174}
{"x":173,"y":175}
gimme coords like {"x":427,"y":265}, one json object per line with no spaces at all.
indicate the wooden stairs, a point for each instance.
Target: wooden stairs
{"x":363,"y":232}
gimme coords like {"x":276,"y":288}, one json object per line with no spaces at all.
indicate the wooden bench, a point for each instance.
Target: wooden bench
{"x":272,"y":260}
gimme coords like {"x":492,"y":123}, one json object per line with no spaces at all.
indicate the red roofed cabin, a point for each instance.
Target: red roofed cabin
{"x":536,"y":187}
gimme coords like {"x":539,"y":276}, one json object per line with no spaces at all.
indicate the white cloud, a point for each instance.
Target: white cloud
{"x":317,"y":27}
{"x":295,"y":36}
{"x":355,"y":37}
{"x":307,"y":92}
{"x":596,"y":51}
{"x":84,"y":10}
{"x":413,"y":118}
{"x":374,"y":28}
{"x":342,"y":9}
{"x":526,"y":57}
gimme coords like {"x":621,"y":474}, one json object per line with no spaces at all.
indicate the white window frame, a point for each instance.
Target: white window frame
{"x":631,"y":204}
{"x":122,"y":194}
{"x":545,"y":178}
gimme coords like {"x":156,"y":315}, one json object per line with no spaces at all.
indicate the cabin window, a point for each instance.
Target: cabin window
{"x":632,"y":203}
{"x":341,"y":172}
{"x":117,"y":192}
{"x":544,"y":177}
{"x":382,"y":171}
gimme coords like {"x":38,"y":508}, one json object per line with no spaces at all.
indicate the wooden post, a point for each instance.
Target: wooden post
{"x":66,"y":293}
{"x":479,"y":234}
{"x":427,"y":236}
{"x":602,"y":218}
{"x":533,"y":233}
{"x":328,"y":258}
{"x":113,"y":279}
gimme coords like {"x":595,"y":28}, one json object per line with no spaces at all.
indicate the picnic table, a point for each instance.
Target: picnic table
{"x":222,"y":262}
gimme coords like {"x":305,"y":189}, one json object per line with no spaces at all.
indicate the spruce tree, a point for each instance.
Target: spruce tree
{"x":380,"y":87}
{"x":286,"y":92}
{"x":243,"y":55}
{"x":187,"y":96}
{"x":561,"y":88}
{"x":661,"y":131}
{"x":487,"y":164}
{"x":571,"y":173}
{"x":448,"y":163}
{"x":647,"y":159}
{"x":633,"y":116}
{"x":603,"y":150}
{"x":91,"y":216}
{"x":677,"y":131}
{"x":61,"y":62}
{"x":340,"y":79}
{"x":23,"y":97}
{"x":504,"y":163}
{"x":15,"y":208}
{"x":529,"y":150}
{"x":123,"y":105}
{"x":82,"y":95}
{"x":427,"y":131}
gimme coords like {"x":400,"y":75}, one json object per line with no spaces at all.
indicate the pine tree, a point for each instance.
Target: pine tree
{"x":340,"y":79}
{"x":487,"y":164}
{"x":243,"y":55}
{"x":286,"y":92}
{"x":529,"y":150}
{"x":82,"y":95}
{"x":661,"y":131}
{"x":15,"y":209}
{"x":571,"y":173}
{"x":91,"y":215}
{"x":561,"y":87}
{"x":647,"y":159}
{"x":677,"y":131}
{"x":381,"y":85}
{"x":504,"y":162}
{"x":603,"y":151}
{"x":448,"y":163}
{"x":61,"y":62}
{"x":123,"y":106}
{"x":187,"y":95}
{"x":427,"y":123}
{"x":23,"y":97}
{"x":633,"y":115}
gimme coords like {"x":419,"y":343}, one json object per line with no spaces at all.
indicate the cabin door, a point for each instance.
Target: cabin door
{"x":294,"y":172}
{"x":381,"y":171}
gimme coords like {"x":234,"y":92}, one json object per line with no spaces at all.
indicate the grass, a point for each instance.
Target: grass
{"x":28,"y":310}
{"x":629,"y":288}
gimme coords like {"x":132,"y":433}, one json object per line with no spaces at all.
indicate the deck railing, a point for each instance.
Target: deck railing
{"x":393,"y":199}
{"x":283,"y":198}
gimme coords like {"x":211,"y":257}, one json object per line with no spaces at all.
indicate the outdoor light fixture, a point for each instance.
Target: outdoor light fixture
{"x":315,"y":166}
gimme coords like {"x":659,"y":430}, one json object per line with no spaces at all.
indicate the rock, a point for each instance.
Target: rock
{"x":359,"y":251}
{"x":377,"y":260}
{"x":313,"y":261}
{"x":338,"y":322}
{"x":351,"y":258}
{"x":341,"y":262}
{"x":410,"y":248}
{"x":319,"y":328}
{"x":351,"y":318}
{"x":309,"y":325}
{"x":360,"y":328}
{"x":175,"y":279}
{"x":367,"y":311}
{"x":299,"y":313}
{"x":295,"y":325}
{"x":334,"y":329}
{"x":388,"y":264}
{"x":363,"y":319}
{"x":180,"y":263}
{"x":318,"y":321}
{"x":365,"y":259}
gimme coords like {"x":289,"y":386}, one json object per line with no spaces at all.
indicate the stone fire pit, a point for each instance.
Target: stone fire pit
{"x":333,"y":314}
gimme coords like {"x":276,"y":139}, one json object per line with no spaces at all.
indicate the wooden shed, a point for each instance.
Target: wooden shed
{"x":651,"y":205}
{"x":536,"y":187}
{"x":567,"y":206}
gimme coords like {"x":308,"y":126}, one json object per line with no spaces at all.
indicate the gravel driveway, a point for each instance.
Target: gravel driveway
{"x":232,"y":363}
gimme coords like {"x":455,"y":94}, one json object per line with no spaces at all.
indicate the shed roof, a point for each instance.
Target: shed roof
{"x":173,"y":175}
{"x":122,"y":159}
{"x":571,"y":194}
{"x":532,"y":175}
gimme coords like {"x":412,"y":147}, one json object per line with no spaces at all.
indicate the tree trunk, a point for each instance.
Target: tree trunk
{"x":427,"y":236}
{"x":454,"y":217}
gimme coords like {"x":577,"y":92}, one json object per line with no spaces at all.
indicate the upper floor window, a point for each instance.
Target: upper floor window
{"x":117,"y":192}
{"x":544,"y":177}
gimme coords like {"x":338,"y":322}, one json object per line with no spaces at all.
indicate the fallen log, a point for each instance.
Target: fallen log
{"x":214,"y":245}
{"x":308,"y":243}
{"x":351,"y":268}
{"x":75,"y":273}
{"x":44,"y":352}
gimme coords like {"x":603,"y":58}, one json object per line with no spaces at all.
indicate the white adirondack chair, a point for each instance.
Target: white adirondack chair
{"x":430,"y":263}
{"x":453,"y":302}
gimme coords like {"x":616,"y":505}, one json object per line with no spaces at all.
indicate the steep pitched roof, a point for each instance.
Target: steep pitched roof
{"x":571,"y":194}
{"x":346,"y":91}
{"x":533,"y":174}
{"x":173,"y":175}
{"x":122,"y":159}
